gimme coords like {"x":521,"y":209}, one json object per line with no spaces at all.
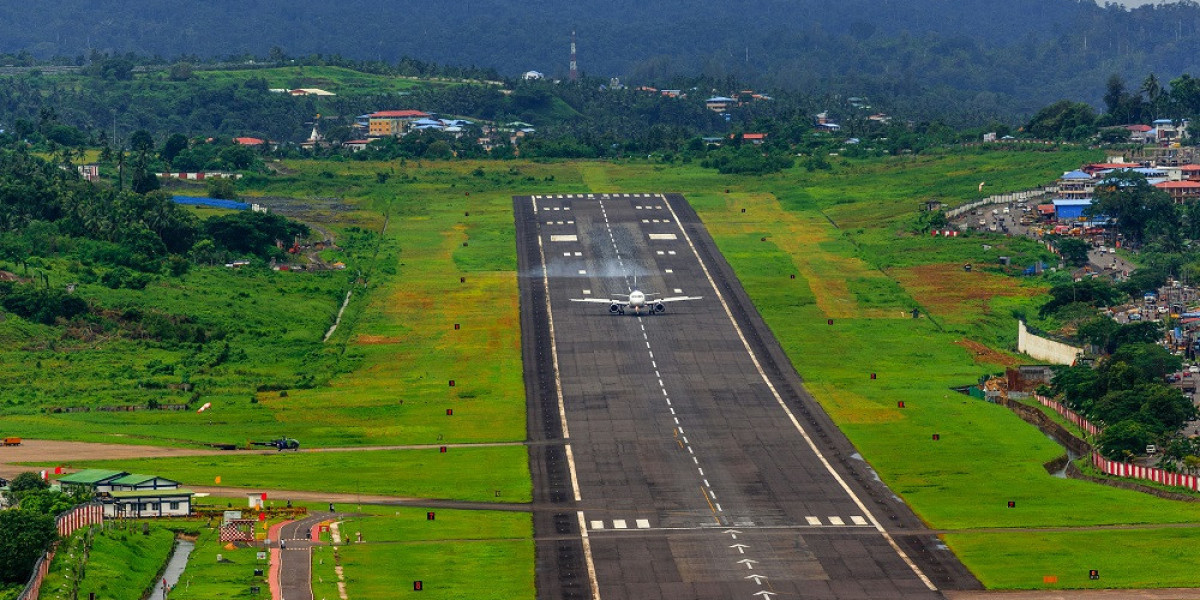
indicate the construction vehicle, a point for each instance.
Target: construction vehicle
{"x":281,"y":444}
{"x":11,"y":441}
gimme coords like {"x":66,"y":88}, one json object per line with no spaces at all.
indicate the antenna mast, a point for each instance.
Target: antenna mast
{"x":574,"y":64}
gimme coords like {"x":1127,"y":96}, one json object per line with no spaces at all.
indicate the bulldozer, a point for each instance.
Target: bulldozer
{"x":280,"y":444}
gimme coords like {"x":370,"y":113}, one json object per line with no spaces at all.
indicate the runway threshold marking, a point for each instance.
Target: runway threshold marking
{"x":792,"y":417}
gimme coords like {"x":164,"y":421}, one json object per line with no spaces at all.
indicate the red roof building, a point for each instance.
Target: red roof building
{"x":1190,"y":172}
{"x":1094,"y":168}
{"x":1181,"y":191}
{"x":248,"y":141}
{"x":754,"y":138}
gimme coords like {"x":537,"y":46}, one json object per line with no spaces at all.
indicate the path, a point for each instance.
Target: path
{"x":1161,"y":594}
{"x":294,"y":556}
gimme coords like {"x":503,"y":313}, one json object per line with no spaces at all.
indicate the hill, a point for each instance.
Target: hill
{"x":974,"y":57}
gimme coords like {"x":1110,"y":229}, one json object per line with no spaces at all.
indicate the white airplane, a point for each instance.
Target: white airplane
{"x":640,"y":302}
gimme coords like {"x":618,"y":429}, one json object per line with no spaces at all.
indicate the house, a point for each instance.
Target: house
{"x":90,"y":173}
{"x":140,"y":504}
{"x":754,"y":138}
{"x":1180,"y":191}
{"x":392,"y":122}
{"x":532,"y":75}
{"x":720,"y":104}
{"x":1189,"y":172}
{"x":1167,"y":131}
{"x":1094,"y":168}
{"x":1075,"y":185}
{"x":825,"y":124}
{"x":356,"y":145}
{"x":880,"y":118}
{"x":1140,"y":134}
{"x":92,"y":481}
{"x":248,"y":141}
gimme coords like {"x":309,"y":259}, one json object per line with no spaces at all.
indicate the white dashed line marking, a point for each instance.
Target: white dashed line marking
{"x":836,"y":521}
{"x":857,"y":520}
{"x":815,"y":522}
{"x":619,"y":524}
{"x":597,"y":524}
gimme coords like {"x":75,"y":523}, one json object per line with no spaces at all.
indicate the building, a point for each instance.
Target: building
{"x":532,"y":75}
{"x":754,"y":138}
{"x":134,"y":482}
{"x":248,"y":141}
{"x":92,"y":481}
{"x":140,"y":504}
{"x":89,"y":172}
{"x":392,"y":122}
{"x":1071,"y":210}
{"x":1140,"y":134}
{"x":720,"y":104}
{"x":356,"y":145}
{"x":1189,"y":172}
{"x":1076,"y":185}
{"x":1167,"y":132}
{"x":1180,"y":191}
{"x":310,"y":92}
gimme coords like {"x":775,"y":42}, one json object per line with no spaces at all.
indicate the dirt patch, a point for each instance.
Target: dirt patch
{"x":949,"y":292}
{"x":376,"y":340}
{"x":986,"y":355}
{"x":65,"y":452}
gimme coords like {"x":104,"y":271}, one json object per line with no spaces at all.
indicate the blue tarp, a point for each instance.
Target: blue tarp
{"x":215,"y":202}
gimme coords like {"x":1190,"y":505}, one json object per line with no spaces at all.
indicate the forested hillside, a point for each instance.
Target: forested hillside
{"x":973,"y":57}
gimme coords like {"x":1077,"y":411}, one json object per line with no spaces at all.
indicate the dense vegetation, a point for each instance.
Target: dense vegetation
{"x":973,"y":59}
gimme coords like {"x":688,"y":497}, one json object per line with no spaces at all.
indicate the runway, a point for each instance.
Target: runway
{"x":692,"y":463}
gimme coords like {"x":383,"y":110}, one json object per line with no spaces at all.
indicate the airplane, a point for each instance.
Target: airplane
{"x":640,"y":302}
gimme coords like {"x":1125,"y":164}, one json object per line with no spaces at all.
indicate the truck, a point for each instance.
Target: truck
{"x":11,"y":441}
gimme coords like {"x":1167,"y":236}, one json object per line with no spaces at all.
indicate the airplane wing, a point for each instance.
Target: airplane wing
{"x":601,"y":301}
{"x":679,"y":299}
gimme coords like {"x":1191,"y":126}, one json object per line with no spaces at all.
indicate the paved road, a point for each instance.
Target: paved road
{"x":295,"y":558}
{"x":697,"y":466}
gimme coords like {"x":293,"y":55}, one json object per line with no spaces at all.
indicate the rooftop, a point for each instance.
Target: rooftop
{"x":1178,"y":185}
{"x":91,"y":476}
{"x":398,"y":114}
{"x":137,"y":479}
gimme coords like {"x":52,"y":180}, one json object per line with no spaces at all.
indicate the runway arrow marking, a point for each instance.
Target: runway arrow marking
{"x":732,"y":532}
{"x":741,"y":548}
{"x":748,"y":562}
{"x":765,"y":594}
{"x":757,"y":578}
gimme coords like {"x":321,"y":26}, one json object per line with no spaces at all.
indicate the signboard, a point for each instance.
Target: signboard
{"x":231,"y":515}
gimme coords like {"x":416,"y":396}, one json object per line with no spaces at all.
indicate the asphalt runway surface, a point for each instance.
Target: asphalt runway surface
{"x":295,"y":556}
{"x":690,"y":461}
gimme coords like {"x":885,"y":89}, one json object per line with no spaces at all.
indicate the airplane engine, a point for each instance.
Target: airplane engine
{"x":614,"y":308}
{"x":660,"y":307}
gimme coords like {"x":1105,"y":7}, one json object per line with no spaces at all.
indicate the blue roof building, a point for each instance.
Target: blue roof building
{"x":1071,"y":210}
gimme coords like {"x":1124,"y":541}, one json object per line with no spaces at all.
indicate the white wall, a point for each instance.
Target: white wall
{"x":1044,"y":349}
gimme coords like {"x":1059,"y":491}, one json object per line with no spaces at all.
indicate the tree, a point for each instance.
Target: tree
{"x":27,"y":481}
{"x":175,"y":144}
{"x":1124,"y":439}
{"x":24,"y":536}
{"x":1141,"y":210}
{"x":182,"y":71}
{"x":1063,"y":120}
{"x":1073,"y":250}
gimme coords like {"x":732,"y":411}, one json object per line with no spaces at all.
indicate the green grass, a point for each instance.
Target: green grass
{"x":339,"y":80}
{"x":122,"y":564}
{"x":1136,"y":558}
{"x":460,"y":474}
{"x":205,"y":578}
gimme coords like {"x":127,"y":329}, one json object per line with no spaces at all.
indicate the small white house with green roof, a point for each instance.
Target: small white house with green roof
{"x":147,"y":503}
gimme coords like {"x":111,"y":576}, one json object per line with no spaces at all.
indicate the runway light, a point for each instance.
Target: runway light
{"x":429,"y":516}
{"x":442,"y":450}
{"x":829,"y":321}
{"x":451,"y":383}
{"x":1012,"y":504}
{"x":1050,"y":579}
{"x":464,"y":244}
{"x":763,"y":239}
{"x":466,"y":214}
{"x":418,"y":586}
{"x":1093,"y":574}
{"x":937,"y":437}
{"x":743,"y":210}
{"x":456,"y":326}
{"x":462,"y":279}
{"x":793,"y":275}
{"x":449,"y":412}
{"x":872,"y":376}
{"x":900,"y":404}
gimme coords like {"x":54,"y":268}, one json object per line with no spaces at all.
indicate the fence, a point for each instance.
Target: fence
{"x":1002,"y":199}
{"x":66,"y":523}
{"x":1120,"y":469}
{"x":1070,"y":415}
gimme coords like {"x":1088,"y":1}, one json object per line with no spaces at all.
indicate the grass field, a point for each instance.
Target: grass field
{"x":448,"y":555}
{"x":489,"y":474}
{"x":121,"y":565}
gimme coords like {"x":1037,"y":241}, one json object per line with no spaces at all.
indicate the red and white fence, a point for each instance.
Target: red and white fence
{"x":1120,"y":469}
{"x":67,"y":523}
{"x":1069,"y":415}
